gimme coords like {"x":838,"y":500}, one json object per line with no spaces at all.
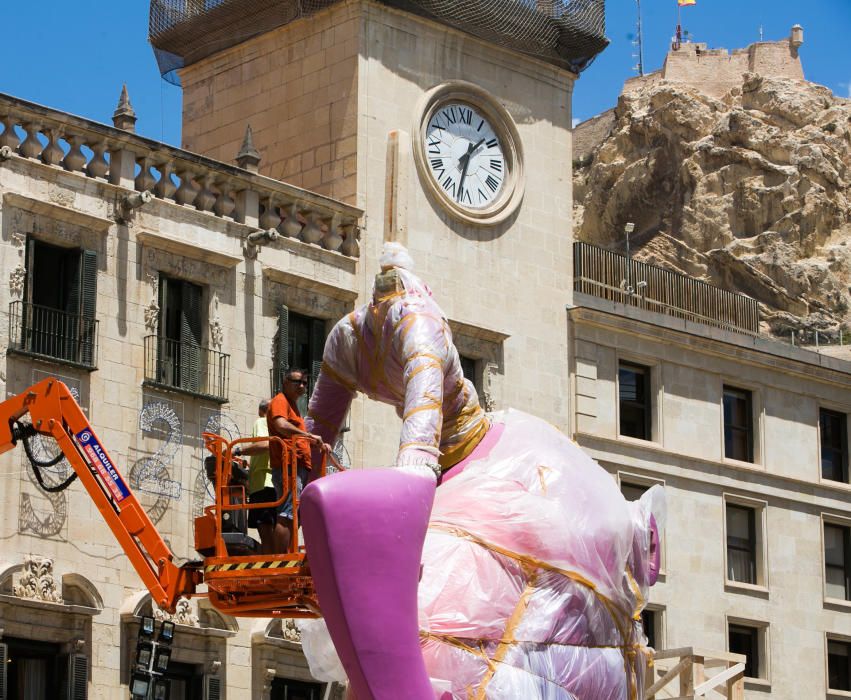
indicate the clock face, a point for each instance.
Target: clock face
{"x":464,"y":156}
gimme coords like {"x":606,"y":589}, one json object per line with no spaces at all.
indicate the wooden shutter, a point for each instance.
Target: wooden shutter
{"x":78,"y":677}
{"x":88,"y":305}
{"x":190,"y":337}
{"x":317,"y":348}
{"x":26,"y":310}
{"x":4,"y":657}
{"x":213,"y":688}
{"x":281,"y":359}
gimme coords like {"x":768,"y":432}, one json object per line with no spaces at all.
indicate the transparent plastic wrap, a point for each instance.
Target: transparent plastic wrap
{"x":535,"y":571}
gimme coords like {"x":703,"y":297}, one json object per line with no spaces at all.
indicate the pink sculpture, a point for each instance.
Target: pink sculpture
{"x":534,"y":567}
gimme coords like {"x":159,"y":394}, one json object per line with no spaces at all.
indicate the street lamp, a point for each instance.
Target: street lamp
{"x":152,"y":660}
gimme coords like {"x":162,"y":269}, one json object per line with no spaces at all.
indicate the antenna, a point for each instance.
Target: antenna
{"x":760,"y":32}
{"x":639,"y":41}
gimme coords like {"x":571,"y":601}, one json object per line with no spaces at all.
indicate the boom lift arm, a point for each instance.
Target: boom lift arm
{"x":54,"y":412}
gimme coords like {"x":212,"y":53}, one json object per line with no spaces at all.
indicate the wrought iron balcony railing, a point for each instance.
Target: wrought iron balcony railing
{"x":50,"y":333}
{"x":187,"y":368}
{"x":608,"y":275}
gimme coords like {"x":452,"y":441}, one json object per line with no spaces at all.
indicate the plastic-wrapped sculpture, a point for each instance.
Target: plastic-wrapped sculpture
{"x":534,"y":567}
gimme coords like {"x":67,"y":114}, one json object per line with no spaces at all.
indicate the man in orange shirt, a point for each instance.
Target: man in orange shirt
{"x":286,"y":422}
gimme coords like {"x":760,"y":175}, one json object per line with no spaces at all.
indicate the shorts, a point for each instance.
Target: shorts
{"x":286,"y":509}
{"x":262,"y":516}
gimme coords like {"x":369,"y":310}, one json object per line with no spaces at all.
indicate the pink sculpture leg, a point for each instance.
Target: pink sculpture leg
{"x":364,"y":533}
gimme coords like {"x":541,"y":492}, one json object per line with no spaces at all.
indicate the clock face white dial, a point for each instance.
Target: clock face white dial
{"x":464,"y":155}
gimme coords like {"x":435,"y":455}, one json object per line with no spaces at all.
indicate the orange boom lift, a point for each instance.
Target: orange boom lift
{"x":238,"y":581}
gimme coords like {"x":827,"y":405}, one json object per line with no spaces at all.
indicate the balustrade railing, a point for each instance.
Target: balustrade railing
{"x":123,"y":158}
{"x":52,"y":333}
{"x":187,"y":367}
{"x":608,"y":275}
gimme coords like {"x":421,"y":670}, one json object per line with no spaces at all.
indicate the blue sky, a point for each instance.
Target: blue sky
{"x":75,"y":55}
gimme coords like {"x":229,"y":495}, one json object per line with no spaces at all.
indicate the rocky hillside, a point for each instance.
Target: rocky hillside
{"x":749,"y":192}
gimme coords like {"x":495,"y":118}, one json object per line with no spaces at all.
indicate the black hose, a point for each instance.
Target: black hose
{"x":23,"y":432}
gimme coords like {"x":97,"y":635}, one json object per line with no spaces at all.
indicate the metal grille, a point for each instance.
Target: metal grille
{"x":568,"y":33}
{"x":189,"y":368}
{"x":39,"y":330}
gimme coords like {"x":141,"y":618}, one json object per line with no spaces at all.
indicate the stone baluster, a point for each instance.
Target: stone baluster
{"x":165,"y":188}
{"x":8,"y":137}
{"x":144,"y":180}
{"x":186,"y":193}
{"x":312,"y":231}
{"x":290,"y":226}
{"x":351,"y":246}
{"x":205,"y":199}
{"x":247,"y":201}
{"x":224,"y":205}
{"x":270,"y":217}
{"x":75,"y":159}
{"x":52,"y":153}
{"x":332,"y":238}
{"x":98,"y":165}
{"x":31,"y":146}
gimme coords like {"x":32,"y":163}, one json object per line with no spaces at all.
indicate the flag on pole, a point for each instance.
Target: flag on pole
{"x":684,"y":3}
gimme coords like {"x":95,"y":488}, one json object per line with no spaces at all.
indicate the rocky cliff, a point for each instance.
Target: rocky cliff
{"x":748,"y":192}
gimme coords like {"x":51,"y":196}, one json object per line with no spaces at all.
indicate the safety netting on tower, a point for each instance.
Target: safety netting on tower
{"x":567,"y":33}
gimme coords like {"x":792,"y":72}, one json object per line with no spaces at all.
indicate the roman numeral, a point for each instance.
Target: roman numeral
{"x":466,"y":196}
{"x":449,"y":185}
{"x":482,"y":197}
{"x":467,"y":116}
{"x":481,"y":124}
{"x":492,"y":182}
{"x":436,"y":126}
{"x":450,"y":115}
{"x":434,"y":146}
{"x":496,"y":165}
{"x":437,"y":163}
{"x":492,"y":143}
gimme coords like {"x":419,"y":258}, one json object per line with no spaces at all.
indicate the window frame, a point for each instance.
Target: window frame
{"x":828,"y":519}
{"x":844,"y":444}
{"x":751,"y":427}
{"x":646,"y":482}
{"x":839,"y":639}
{"x":659,"y":624}
{"x":760,"y":551}
{"x":762,"y":630}
{"x":650,"y":372}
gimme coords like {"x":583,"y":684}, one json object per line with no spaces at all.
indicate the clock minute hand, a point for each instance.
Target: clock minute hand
{"x":464,"y":161}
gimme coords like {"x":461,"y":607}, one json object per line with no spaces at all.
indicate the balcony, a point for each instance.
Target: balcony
{"x":602,"y":273}
{"x":51,"y":334}
{"x":186,"y":368}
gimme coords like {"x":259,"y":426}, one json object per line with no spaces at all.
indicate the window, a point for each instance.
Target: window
{"x":468,"y":368}
{"x":179,"y":357}
{"x":837,"y":572}
{"x":185,"y":681}
{"x":632,"y":492}
{"x":833,"y":434}
{"x":651,"y":621}
{"x":300,"y":343}
{"x":57,"y":317}
{"x":285,"y":689}
{"x":747,"y":640}
{"x":634,"y":397}
{"x":838,"y":666}
{"x":738,"y":424}
{"x":33,"y":669}
{"x":741,"y":544}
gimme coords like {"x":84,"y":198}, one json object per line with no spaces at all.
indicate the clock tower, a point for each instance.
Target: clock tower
{"x":448,"y":123}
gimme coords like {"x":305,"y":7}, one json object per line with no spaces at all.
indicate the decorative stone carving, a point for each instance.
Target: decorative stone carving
{"x":152,"y":310}
{"x":487,"y":386}
{"x":217,"y":331}
{"x":16,"y":282}
{"x":289,"y":631}
{"x":37,"y":581}
{"x":182,"y":615}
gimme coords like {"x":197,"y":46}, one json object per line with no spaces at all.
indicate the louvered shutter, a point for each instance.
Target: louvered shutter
{"x":69,"y":322}
{"x":88,"y":305}
{"x":281,"y":359}
{"x":78,"y":677}
{"x":27,"y":310}
{"x":317,"y":347}
{"x":213,"y":688}
{"x":4,"y":657}
{"x":190,"y":337}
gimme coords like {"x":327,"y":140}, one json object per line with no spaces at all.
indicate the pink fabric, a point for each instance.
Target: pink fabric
{"x":481,"y":451}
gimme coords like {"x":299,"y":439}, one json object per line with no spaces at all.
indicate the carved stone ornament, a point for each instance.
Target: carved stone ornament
{"x":152,"y":310}
{"x":16,"y":281}
{"x":289,"y":631}
{"x":487,"y":389}
{"x":217,"y":331}
{"x":37,"y":581}
{"x":183,"y":614}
